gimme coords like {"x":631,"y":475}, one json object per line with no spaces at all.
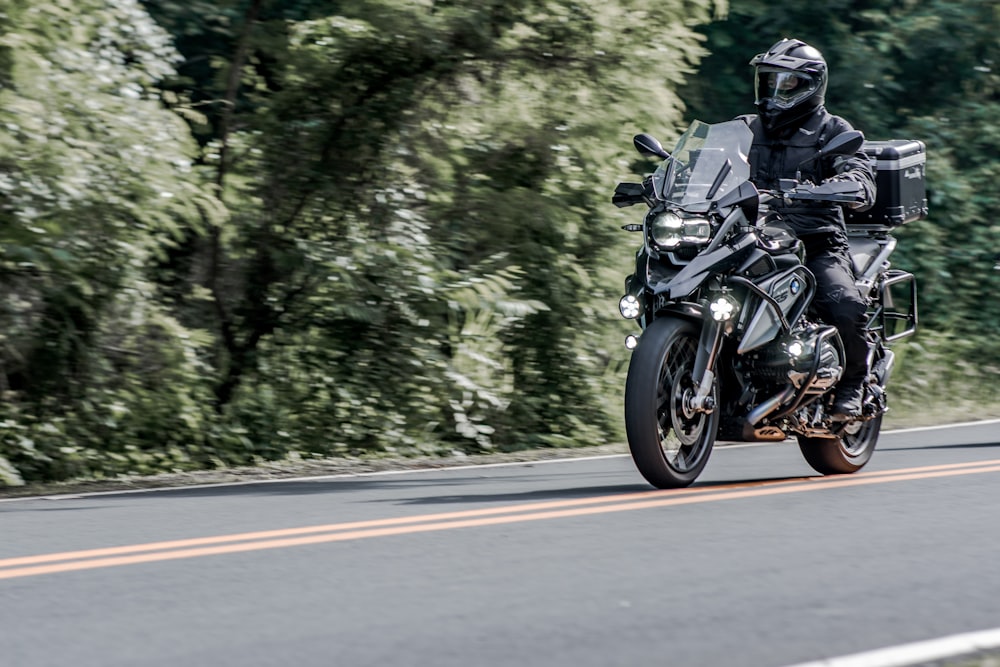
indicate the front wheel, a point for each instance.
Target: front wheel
{"x":670,"y":442}
{"x":846,"y":454}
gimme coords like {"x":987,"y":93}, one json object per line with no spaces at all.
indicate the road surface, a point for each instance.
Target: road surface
{"x":569,"y":563}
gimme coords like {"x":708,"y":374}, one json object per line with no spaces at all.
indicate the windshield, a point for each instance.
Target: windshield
{"x":708,"y":161}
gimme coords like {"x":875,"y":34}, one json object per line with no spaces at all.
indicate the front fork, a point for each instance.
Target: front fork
{"x":703,"y":375}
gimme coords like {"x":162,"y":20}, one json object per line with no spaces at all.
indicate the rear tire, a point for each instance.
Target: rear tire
{"x":846,"y":454}
{"x":670,"y":444}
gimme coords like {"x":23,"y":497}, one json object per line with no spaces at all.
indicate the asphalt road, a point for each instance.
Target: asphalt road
{"x":569,"y":563}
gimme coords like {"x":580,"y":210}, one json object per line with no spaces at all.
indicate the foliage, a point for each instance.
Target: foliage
{"x":387,"y":228}
{"x":243,"y":230}
{"x":95,"y":180}
{"x":417,"y":303}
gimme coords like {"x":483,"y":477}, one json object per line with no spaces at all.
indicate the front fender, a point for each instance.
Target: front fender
{"x":683,"y":309}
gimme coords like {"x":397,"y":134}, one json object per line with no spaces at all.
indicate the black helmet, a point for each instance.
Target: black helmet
{"x":789,"y":82}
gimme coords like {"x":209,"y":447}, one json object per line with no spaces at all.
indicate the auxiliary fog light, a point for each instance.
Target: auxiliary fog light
{"x":631,"y":342}
{"x":795,"y":348}
{"x":722,"y":309}
{"x":629,"y":307}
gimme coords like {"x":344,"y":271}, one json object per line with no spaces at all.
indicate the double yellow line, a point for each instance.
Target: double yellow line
{"x":70,"y":561}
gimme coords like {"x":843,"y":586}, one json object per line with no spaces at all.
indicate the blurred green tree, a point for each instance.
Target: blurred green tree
{"x":95,"y":179}
{"x":408,"y":186}
{"x":384,"y":225}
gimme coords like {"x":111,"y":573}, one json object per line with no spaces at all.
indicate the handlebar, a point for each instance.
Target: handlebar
{"x":837,"y":192}
{"x":789,"y":190}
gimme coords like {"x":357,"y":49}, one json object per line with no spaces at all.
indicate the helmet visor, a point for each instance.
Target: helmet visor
{"x":783,"y":88}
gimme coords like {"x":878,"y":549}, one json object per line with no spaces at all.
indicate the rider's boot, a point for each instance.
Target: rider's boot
{"x":847,"y":402}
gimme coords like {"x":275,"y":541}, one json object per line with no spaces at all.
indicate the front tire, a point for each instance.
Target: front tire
{"x":846,"y":454}
{"x":670,"y":443}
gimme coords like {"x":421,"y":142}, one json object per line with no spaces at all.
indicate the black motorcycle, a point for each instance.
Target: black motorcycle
{"x":730,"y":349}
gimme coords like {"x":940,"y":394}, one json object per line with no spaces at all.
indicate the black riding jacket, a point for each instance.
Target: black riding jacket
{"x":776,"y":157}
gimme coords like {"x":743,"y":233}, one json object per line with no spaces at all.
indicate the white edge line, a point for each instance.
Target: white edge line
{"x":916,"y":653}
{"x":443,"y":468}
{"x":313,"y":478}
{"x":983,"y":422}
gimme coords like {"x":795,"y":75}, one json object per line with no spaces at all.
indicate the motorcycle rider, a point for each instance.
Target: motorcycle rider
{"x":791,"y":125}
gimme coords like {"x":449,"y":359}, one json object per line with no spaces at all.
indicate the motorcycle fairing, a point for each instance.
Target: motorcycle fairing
{"x":745,"y":196}
{"x":705,"y":265}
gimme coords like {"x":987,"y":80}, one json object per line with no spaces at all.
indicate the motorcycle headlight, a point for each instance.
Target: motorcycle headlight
{"x":669,"y":230}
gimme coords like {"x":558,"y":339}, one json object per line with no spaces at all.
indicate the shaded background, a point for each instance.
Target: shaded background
{"x":249,"y":230}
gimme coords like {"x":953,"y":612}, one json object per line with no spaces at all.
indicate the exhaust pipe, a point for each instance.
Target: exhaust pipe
{"x":770,"y":405}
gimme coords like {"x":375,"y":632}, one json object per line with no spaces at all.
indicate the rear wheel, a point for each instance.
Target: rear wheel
{"x":669,"y":441}
{"x":846,"y":454}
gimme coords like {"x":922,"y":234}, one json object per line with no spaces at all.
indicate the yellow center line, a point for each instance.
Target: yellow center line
{"x":273,"y":539}
{"x":445,"y":516}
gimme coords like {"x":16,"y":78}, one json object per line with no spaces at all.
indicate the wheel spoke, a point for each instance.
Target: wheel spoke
{"x":683,"y":439}
{"x":857,"y":441}
{"x":680,"y":461}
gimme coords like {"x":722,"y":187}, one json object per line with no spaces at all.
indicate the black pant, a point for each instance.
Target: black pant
{"x":838,"y":300}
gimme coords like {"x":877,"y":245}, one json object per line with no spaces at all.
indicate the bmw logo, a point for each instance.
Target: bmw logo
{"x":795,"y":286}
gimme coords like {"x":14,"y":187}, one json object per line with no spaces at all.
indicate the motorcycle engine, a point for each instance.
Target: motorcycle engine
{"x":808,"y":357}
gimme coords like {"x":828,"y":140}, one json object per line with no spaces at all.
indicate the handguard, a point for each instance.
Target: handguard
{"x":837,"y":191}
{"x":627,"y":194}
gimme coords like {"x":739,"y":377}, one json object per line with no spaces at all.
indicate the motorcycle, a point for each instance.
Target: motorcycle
{"x":730,"y":348}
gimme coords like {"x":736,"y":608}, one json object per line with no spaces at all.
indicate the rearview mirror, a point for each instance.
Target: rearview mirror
{"x":845,"y":143}
{"x":648,"y":145}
